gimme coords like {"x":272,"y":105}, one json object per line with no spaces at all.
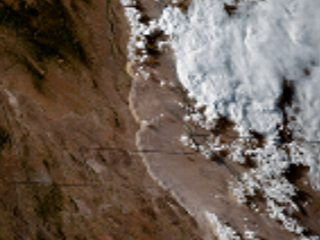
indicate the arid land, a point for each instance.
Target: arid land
{"x":77,"y":126}
{"x":69,"y":168}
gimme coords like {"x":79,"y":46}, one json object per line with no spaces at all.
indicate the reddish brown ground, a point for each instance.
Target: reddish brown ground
{"x":67,"y":167}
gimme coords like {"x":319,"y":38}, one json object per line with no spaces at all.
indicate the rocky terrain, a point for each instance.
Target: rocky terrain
{"x":94,"y":143}
{"x":69,"y":167}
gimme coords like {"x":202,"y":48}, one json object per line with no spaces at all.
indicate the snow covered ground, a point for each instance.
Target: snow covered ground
{"x":242,"y":60}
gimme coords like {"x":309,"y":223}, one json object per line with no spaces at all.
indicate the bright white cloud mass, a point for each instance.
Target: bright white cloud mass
{"x":237,"y":62}
{"x":235,"y":65}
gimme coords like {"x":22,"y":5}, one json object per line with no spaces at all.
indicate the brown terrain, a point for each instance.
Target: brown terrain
{"x":69,"y":167}
{"x":86,"y":141}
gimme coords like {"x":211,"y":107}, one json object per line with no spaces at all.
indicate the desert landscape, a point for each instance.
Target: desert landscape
{"x":100,"y":139}
{"x":69,"y":166}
